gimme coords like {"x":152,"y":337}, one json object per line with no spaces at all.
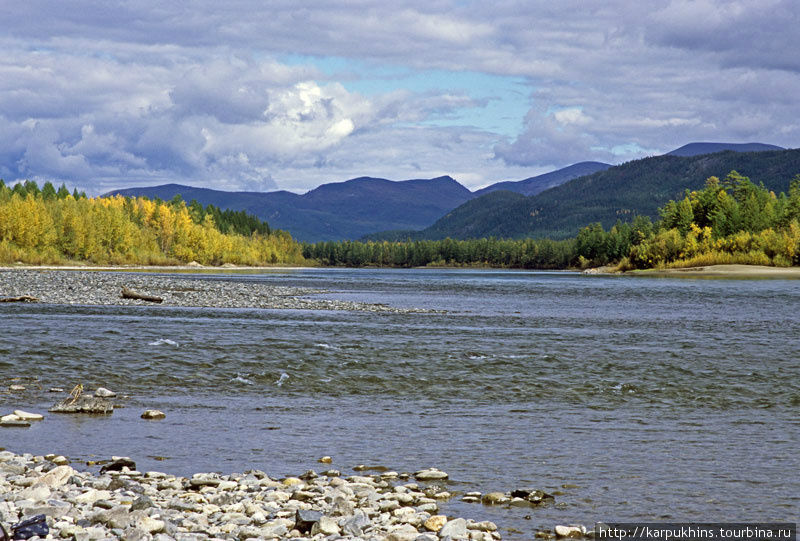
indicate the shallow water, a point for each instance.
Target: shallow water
{"x":652,"y":399}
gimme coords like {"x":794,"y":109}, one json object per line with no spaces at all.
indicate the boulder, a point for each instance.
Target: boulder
{"x":431,"y":474}
{"x":304,"y":520}
{"x":153,"y":414}
{"x":26,"y":416}
{"x":102,"y":392}
{"x":455,"y":529}
{"x":84,"y":404}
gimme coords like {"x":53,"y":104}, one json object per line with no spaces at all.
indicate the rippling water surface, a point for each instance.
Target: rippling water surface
{"x":649,"y":399}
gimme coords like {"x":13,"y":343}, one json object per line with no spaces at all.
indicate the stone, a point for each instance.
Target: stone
{"x":494,"y":498}
{"x":406,"y":532}
{"x":38,"y":493}
{"x":435,"y":523}
{"x":484,"y":526}
{"x":355,"y":525}
{"x":304,"y":519}
{"x":573,"y":531}
{"x":14,"y":422}
{"x":26,"y":416}
{"x":325,"y":460}
{"x":455,"y":529}
{"x":84,"y":404}
{"x":150,"y":525}
{"x":102,"y":392}
{"x":57,"y":477}
{"x":118,"y":464}
{"x":142,"y":503}
{"x":16,"y":388}
{"x":431,"y":474}
{"x":326,"y":526}
{"x":153,"y":414}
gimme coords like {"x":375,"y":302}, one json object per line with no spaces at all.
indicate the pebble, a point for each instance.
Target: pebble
{"x":153,"y":414}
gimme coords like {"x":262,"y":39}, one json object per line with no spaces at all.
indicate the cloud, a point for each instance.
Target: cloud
{"x":151,"y":92}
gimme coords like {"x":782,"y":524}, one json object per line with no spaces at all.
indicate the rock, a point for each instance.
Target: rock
{"x":325,"y":526}
{"x":406,"y":532}
{"x":119,"y":463}
{"x":84,"y":404}
{"x":60,"y":460}
{"x":38,"y":493}
{"x":325,"y":460}
{"x":14,"y":423}
{"x":435,"y":523}
{"x":431,"y":474}
{"x":494,"y":498}
{"x":25,"y":416}
{"x":573,"y":531}
{"x":56,"y":390}
{"x":57,"y":477}
{"x":355,"y":525}
{"x":16,"y":388}
{"x":304,"y":520}
{"x":102,"y":392}
{"x":150,"y":525}
{"x":484,"y":526}
{"x":153,"y":414}
{"x":455,"y":529}
{"x":142,"y":503}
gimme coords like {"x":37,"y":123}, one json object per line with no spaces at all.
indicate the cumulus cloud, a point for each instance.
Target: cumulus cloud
{"x":148,"y":92}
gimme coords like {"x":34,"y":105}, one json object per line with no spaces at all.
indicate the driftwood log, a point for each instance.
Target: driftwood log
{"x":131,"y":294}
{"x":21,"y":298}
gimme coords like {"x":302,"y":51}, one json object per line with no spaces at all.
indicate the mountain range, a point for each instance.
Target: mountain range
{"x":554,"y":204}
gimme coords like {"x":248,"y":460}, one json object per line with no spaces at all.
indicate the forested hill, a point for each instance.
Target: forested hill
{"x":540,"y":183}
{"x":695,"y":149}
{"x":635,"y":188}
{"x":340,"y":210}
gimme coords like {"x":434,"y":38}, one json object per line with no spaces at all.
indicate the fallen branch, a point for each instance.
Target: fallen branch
{"x":130,"y":294}
{"x":21,"y":298}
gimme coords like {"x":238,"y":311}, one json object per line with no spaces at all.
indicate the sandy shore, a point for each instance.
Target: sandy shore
{"x":727,"y":271}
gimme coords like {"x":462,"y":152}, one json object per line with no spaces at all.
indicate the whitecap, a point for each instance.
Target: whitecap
{"x":164,"y":342}
{"x":240,"y":379}
{"x":280,"y":380}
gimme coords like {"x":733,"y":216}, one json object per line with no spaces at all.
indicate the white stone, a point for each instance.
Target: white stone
{"x":102,"y":392}
{"x":430,"y":474}
{"x":92,"y":495}
{"x":573,"y":531}
{"x":37,"y":493}
{"x":456,"y":529}
{"x":150,"y":525}
{"x":10,"y":418}
{"x":153,"y":414}
{"x":57,"y":477}
{"x":26,"y":416}
{"x":326,"y":526}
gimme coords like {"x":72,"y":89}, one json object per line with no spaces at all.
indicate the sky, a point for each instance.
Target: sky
{"x":262,"y":95}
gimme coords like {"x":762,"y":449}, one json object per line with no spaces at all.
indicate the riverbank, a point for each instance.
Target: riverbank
{"x":121,"y":502}
{"x":723,"y":271}
{"x":103,"y":286}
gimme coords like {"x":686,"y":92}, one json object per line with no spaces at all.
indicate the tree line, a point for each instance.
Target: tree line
{"x":51,"y":226}
{"x":728,"y":221}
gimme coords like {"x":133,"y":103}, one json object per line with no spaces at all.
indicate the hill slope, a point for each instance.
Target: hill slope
{"x":696,"y":149}
{"x":635,"y":188}
{"x":540,"y":183}
{"x":335,"y":211}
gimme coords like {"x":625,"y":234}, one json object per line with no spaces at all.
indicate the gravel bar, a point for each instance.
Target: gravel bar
{"x":104,"y":288}
{"x":120,"y":502}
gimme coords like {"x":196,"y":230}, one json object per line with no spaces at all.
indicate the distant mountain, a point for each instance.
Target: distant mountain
{"x":540,"y":183}
{"x":635,"y":188}
{"x":695,"y":149}
{"x":335,"y":211}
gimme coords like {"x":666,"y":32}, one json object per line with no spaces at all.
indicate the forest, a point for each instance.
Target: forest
{"x":53,"y":226}
{"x":728,"y":221}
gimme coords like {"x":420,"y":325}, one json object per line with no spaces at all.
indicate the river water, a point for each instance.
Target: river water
{"x":630,"y":399}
